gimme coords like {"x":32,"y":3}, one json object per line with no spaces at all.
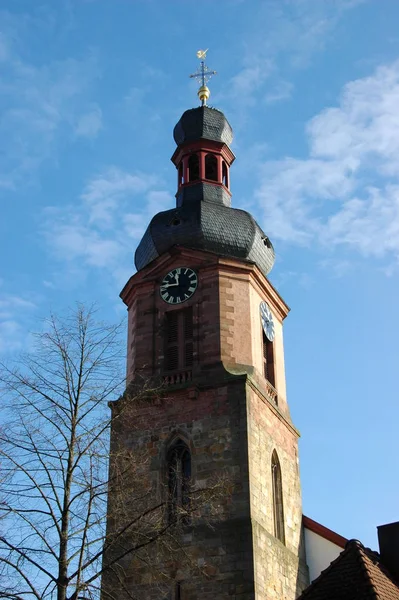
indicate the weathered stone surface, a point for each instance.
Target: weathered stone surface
{"x":229,"y":425}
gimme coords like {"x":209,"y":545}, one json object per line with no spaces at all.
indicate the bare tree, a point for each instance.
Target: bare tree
{"x":54,"y":450}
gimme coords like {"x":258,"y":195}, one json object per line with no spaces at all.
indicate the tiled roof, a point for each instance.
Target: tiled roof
{"x":356,"y":574}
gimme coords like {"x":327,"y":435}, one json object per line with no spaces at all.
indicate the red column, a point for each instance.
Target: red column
{"x":202,"y":165}
{"x":219,"y":159}
{"x":185,"y":169}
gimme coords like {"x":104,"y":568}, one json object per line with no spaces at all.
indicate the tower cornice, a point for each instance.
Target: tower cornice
{"x":235,"y":267}
{"x":206,"y":146}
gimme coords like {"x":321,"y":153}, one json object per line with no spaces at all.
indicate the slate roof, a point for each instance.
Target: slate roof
{"x":206,"y":226}
{"x":203,"y":218}
{"x":203,"y":122}
{"x":356,"y":574}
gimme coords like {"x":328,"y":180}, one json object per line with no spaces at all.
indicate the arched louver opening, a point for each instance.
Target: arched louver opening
{"x":278,"y":509}
{"x":180,"y":175}
{"x":193,"y":168}
{"x":211,"y":167}
{"x":179,"y":474}
{"x":225,"y":175}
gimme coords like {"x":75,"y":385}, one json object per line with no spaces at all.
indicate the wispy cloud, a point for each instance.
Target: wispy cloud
{"x":101,"y":231}
{"x":41,"y":105}
{"x":284,"y":36}
{"x":282,"y":90}
{"x":346,"y":192}
{"x":90,"y":123}
{"x":14,"y":316}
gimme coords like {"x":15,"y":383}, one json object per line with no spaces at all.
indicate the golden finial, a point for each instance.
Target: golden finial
{"x":203,"y":74}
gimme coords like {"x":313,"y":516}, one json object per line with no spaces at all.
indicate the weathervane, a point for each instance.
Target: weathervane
{"x":203,"y":75}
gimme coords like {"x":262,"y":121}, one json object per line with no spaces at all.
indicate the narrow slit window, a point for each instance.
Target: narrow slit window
{"x":277,"y":488}
{"x":179,"y":343}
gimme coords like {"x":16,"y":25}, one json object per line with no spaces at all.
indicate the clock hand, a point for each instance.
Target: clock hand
{"x":167,"y":285}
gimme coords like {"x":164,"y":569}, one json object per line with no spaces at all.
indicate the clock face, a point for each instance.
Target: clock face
{"x":267,"y":321}
{"x":178,"y":285}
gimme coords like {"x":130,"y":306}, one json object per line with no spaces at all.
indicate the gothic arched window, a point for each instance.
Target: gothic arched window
{"x":278,"y":509}
{"x":179,"y":474}
{"x":193,"y":168}
{"x":211,"y":167}
{"x":225,"y":176}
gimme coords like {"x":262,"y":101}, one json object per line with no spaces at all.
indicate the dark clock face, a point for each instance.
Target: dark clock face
{"x":178,"y":285}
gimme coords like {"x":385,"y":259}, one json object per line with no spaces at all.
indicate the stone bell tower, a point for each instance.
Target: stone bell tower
{"x":204,"y":320}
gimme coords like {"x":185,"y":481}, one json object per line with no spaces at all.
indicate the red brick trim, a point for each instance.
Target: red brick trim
{"x":324,"y":532}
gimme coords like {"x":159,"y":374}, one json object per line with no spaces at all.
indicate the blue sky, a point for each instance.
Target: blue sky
{"x":90,"y":91}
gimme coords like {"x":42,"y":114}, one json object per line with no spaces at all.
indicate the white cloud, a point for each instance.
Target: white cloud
{"x":250,"y":79}
{"x":347,"y":191}
{"x":104,"y":192}
{"x":90,"y":123}
{"x":281,"y":91}
{"x":14,"y":315}
{"x":284,"y":35}
{"x":99,"y":233}
{"x":39,"y":106}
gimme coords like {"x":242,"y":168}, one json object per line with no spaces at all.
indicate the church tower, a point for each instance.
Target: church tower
{"x":205,"y":322}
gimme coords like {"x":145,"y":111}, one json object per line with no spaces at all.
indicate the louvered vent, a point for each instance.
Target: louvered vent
{"x":172,"y":358}
{"x":188,"y":323}
{"x":172,"y":326}
{"x":179,"y":339}
{"x":268,"y":360}
{"x":188,"y":354}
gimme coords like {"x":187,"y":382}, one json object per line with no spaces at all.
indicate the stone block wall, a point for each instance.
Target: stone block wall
{"x":230,"y":426}
{"x":212,"y":421}
{"x":280,"y":568}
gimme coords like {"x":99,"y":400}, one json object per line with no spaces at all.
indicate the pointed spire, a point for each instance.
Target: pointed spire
{"x":203,"y":75}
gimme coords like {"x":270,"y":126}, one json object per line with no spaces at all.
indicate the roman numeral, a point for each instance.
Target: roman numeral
{"x":191,"y":289}
{"x":178,"y":299}
{"x":192,"y":274}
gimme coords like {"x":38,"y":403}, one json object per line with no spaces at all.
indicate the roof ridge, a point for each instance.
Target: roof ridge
{"x":376,"y":558}
{"x":362,"y":554}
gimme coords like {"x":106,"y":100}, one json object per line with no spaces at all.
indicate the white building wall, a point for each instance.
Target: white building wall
{"x":319,"y":553}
